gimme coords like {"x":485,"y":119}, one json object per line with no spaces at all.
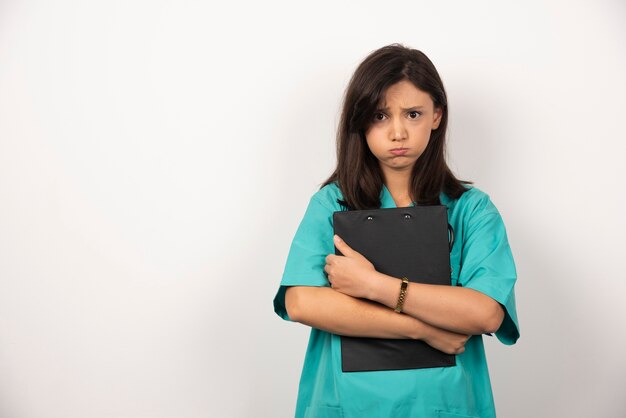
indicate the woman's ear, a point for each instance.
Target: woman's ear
{"x":437,"y":118}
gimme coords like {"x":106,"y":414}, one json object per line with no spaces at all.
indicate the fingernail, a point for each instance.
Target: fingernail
{"x":337,"y":239}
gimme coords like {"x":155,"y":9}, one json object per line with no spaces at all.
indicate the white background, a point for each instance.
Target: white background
{"x":156,"y":158}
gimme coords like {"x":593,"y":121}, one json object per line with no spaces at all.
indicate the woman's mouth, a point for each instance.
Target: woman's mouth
{"x":399,"y":151}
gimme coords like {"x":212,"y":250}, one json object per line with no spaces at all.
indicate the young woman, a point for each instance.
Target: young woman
{"x":391,"y":144}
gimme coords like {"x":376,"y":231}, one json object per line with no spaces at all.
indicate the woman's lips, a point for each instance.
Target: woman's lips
{"x":399,"y":151}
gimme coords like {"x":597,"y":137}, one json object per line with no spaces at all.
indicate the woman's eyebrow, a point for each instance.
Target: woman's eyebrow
{"x":404,"y":109}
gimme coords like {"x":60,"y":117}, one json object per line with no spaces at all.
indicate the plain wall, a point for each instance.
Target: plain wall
{"x":156,"y":158}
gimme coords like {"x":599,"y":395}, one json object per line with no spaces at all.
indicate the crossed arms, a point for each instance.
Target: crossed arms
{"x":361,"y":300}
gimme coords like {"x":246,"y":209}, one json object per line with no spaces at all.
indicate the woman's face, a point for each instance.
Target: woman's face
{"x":403,"y":121}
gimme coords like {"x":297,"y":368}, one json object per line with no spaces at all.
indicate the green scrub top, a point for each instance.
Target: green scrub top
{"x":481,"y":259}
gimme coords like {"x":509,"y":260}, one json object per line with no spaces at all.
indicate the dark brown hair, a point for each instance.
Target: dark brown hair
{"x":358,"y":173}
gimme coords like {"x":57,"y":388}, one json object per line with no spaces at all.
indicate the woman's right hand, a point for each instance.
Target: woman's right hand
{"x":447,"y":341}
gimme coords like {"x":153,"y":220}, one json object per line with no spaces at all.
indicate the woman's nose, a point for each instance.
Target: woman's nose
{"x":398,"y":130}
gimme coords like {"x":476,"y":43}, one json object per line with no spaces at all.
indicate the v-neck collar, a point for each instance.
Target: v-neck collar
{"x":386,"y":200}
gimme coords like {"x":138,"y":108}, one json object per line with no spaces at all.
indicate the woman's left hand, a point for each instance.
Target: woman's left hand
{"x":350,"y":273}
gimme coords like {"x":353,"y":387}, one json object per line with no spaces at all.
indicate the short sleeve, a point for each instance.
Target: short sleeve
{"x":487,"y":265}
{"x":313,"y":241}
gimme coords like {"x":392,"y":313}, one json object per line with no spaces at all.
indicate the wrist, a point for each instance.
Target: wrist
{"x":373,"y":287}
{"x":384,"y":289}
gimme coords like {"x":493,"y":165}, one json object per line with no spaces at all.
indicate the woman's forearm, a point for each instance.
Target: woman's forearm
{"x":337,"y":313}
{"x":456,"y":309}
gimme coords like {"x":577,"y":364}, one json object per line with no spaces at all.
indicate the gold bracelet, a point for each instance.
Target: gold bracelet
{"x":403,"y":287}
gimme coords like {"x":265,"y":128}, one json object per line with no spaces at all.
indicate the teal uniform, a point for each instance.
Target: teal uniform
{"x":481,"y":259}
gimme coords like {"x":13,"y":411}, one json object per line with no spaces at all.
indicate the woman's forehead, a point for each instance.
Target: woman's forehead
{"x":406,"y":95}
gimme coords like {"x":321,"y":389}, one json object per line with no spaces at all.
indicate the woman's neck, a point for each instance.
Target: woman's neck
{"x":399,"y":189}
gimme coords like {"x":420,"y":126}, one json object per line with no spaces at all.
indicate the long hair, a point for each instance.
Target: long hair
{"x":358,"y":172}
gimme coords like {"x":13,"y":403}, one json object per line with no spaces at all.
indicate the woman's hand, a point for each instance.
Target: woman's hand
{"x":350,"y":273}
{"x":447,"y":341}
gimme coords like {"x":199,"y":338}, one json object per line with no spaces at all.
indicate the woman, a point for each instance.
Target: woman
{"x":391,"y":143}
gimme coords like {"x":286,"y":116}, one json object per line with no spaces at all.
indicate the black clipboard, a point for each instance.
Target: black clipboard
{"x":413,"y":242}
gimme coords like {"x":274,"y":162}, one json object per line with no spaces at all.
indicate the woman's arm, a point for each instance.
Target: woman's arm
{"x":332,"y":311}
{"x":456,"y":309}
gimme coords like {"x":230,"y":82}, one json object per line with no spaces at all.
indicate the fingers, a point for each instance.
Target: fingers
{"x":457,"y":344}
{"x":461,"y":347}
{"x":342,"y":246}
{"x":456,"y":350}
{"x":327,"y":270}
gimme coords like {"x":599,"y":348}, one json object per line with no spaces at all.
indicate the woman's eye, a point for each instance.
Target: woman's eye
{"x":378,"y":116}
{"x":414,"y":114}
